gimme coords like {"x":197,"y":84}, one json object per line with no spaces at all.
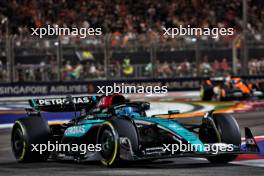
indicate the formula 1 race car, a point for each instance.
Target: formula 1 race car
{"x":121,"y":132}
{"x":230,"y":88}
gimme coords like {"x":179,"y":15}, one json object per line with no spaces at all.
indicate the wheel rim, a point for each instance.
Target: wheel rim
{"x":18,"y":142}
{"x":107,"y":141}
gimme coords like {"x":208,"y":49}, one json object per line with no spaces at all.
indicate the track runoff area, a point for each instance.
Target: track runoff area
{"x":247,"y":113}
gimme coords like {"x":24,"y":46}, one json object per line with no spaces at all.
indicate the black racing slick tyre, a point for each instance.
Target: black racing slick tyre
{"x":229,"y":133}
{"x":26,"y":133}
{"x":109,"y":136}
{"x":206,"y":92}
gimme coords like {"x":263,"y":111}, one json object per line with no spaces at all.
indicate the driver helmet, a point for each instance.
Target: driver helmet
{"x":128,"y":111}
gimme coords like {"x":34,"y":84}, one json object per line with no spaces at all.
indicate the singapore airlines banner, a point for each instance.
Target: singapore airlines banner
{"x":91,"y":87}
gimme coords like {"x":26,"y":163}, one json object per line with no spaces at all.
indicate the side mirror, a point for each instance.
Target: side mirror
{"x":145,"y":106}
{"x":170,"y":112}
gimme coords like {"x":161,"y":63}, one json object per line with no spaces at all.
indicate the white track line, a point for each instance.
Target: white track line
{"x":8,"y":125}
{"x":255,"y":163}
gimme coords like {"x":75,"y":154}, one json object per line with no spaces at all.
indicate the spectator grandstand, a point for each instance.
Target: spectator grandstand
{"x":130,"y":15}
{"x":131,"y":28}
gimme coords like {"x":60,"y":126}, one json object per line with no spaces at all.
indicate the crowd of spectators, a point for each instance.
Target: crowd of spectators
{"x":129,"y":22}
{"x":3,"y":71}
{"x":218,"y":67}
{"x":256,"y":66}
{"x":46,"y":70}
{"x":116,"y":70}
{"x":85,"y":71}
{"x":49,"y":72}
{"x":190,"y":68}
{"x":129,"y":17}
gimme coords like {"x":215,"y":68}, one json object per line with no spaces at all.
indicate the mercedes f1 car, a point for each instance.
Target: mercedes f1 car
{"x":230,"y":88}
{"x":123,"y":132}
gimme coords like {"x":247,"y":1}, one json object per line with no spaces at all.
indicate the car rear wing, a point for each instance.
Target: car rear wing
{"x":61,"y":104}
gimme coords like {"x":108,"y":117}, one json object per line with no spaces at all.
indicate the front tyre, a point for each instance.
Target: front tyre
{"x":229,"y":133}
{"x":109,"y":140}
{"x":109,"y":136}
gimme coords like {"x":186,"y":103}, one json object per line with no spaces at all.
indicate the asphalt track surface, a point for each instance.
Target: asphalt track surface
{"x":177,"y":166}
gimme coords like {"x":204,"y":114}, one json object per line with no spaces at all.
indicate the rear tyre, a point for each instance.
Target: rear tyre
{"x":109,"y":137}
{"x":28,"y":131}
{"x":229,"y":133}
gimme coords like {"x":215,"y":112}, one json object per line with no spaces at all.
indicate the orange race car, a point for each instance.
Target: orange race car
{"x":230,"y":88}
